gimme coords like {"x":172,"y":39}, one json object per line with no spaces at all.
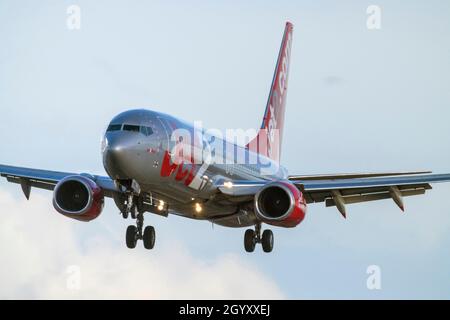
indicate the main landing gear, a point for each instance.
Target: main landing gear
{"x":252,"y":237}
{"x":134,"y":233}
{"x":137,"y":232}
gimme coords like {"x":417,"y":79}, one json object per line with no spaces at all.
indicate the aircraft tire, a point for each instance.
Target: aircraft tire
{"x":249,"y":240}
{"x":267,"y":241}
{"x":149,"y":237}
{"x":131,"y":237}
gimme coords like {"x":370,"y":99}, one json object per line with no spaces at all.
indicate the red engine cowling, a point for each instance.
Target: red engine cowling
{"x":280,"y":204}
{"x":78,"y":197}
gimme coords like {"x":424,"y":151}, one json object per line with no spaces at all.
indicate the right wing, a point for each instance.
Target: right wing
{"x":45,"y":179}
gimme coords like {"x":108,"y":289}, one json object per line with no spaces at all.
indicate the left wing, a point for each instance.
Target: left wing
{"x":339,"y":192}
{"x":47,"y":180}
{"x":352,"y":175}
{"x":342,"y":189}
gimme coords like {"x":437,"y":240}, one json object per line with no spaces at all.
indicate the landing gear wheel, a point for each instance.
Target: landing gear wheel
{"x":267,"y":241}
{"x":133,"y":213}
{"x":149,"y":237}
{"x":250,"y":240}
{"x":125,"y":214}
{"x":131,"y":237}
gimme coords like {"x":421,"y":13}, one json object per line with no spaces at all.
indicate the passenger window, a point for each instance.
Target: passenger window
{"x":130,"y":127}
{"x":114,"y":127}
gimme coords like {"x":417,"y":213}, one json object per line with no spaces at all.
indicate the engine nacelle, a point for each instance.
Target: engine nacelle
{"x":280,"y":204}
{"x":78,"y":197}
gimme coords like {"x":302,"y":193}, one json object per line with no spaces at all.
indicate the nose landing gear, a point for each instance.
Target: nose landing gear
{"x":252,"y":237}
{"x":131,"y":206}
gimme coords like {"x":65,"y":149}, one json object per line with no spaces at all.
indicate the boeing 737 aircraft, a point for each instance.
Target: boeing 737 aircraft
{"x":159,"y":164}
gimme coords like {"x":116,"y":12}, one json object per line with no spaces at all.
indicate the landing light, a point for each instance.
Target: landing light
{"x":228,"y":184}
{"x":198,"y":207}
{"x":161,"y":205}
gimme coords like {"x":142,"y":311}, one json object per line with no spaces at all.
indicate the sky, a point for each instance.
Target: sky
{"x":359,"y":100}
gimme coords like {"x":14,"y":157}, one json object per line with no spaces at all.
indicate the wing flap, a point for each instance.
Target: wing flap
{"x":351,"y":175}
{"x":373,"y":196}
{"x":32,"y":183}
{"x":32,"y":174}
{"x":361,"y":183}
{"x":313,"y":196}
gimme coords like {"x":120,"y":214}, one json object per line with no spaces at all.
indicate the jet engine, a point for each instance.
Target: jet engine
{"x":78,"y":197}
{"x":281,"y":204}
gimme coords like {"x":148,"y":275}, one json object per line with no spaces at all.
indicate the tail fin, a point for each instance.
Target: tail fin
{"x":268,"y":141}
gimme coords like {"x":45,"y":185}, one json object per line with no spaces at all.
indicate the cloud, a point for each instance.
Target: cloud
{"x":41,"y":254}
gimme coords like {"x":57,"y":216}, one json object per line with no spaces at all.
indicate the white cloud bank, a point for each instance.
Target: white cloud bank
{"x":37,"y":248}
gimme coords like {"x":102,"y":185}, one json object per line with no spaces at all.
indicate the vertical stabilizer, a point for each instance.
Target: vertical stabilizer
{"x":269,"y":139}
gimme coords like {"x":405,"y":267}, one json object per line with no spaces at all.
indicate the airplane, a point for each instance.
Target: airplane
{"x":159,"y":164}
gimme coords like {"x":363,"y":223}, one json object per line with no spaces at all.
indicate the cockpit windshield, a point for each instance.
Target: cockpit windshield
{"x":146,"y":131}
{"x":114,"y":127}
{"x":130,"y":127}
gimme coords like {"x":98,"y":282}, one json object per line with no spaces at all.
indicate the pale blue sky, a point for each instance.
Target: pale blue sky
{"x":358,"y":100}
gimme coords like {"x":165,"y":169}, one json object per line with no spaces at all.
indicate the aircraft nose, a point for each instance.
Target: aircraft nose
{"x":116,"y":153}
